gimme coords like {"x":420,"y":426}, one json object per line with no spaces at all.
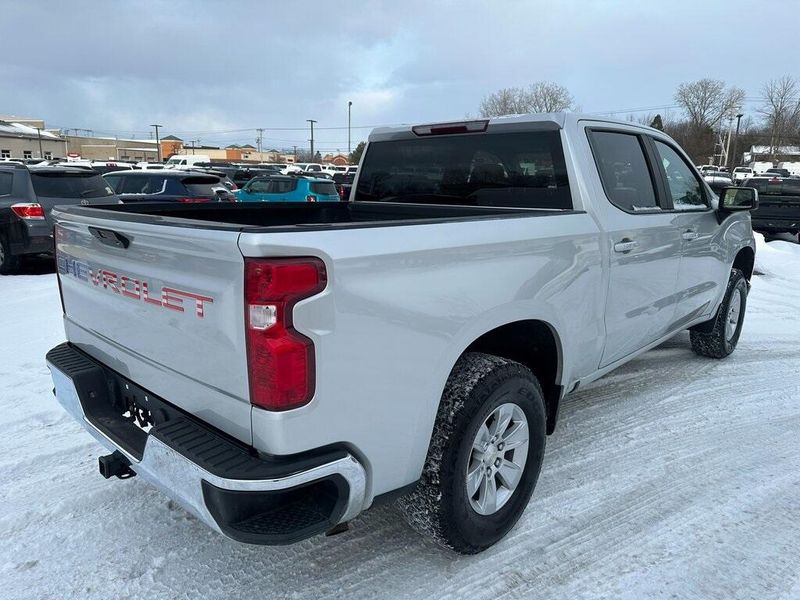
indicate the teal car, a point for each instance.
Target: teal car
{"x":279,"y":188}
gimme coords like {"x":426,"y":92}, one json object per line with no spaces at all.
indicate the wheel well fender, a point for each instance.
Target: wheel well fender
{"x":536,"y":345}
{"x":745,"y":261}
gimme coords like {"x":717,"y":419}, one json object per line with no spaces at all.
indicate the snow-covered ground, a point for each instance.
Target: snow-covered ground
{"x":675,"y":476}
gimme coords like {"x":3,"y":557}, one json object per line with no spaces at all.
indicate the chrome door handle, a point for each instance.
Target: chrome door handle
{"x":690,"y":235}
{"x":625,"y":246}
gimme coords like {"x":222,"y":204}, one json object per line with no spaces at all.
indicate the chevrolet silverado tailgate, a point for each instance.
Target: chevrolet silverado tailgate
{"x":163,"y":306}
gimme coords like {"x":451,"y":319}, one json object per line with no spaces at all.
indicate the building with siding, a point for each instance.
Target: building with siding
{"x":27,"y":138}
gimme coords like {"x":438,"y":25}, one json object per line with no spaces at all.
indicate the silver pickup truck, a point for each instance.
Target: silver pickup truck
{"x":278,"y":368}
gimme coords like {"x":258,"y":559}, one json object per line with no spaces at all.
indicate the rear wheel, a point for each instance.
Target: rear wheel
{"x":484,"y":457}
{"x":718,"y":338}
{"x":8,"y":262}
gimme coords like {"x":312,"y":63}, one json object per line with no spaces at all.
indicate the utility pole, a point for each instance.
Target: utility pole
{"x":192,"y":142}
{"x":727,"y":147}
{"x":312,"y":121}
{"x":736,"y":140}
{"x":295,"y":153}
{"x":158,"y":142}
{"x":258,"y":138}
{"x":349,"y":106}
{"x":39,"y":134}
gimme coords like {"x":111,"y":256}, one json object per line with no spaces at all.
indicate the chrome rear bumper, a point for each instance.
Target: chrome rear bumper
{"x":183,"y":480}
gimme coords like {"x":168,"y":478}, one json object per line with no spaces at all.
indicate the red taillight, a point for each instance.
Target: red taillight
{"x":28,"y":210}
{"x":195,"y":199}
{"x":280,"y":361}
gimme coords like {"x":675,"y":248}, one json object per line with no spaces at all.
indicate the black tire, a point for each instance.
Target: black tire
{"x":439,"y":506}
{"x":710,"y":339}
{"x":8,"y":262}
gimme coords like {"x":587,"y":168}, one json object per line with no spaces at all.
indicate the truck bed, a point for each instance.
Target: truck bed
{"x":293,"y":216}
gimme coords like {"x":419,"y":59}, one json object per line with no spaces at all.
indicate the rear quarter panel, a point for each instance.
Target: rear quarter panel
{"x":403,"y":303}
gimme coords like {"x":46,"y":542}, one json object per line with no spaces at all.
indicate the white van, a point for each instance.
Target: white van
{"x":186,"y":161}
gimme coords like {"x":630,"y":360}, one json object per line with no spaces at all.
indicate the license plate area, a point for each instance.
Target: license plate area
{"x":124,"y":412}
{"x":136,"y":407}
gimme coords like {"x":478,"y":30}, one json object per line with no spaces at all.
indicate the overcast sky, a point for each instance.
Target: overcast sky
{"x":206,"y":69}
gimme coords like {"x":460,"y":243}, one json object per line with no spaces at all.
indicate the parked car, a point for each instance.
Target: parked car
{"x":344,"y":184}
{"x":303,"y":167}
{"x":169,"y":185}
{"x":272,"y":167}
{"x":741,"y":173}
{"x":186,"y":161}
{"x":760,"y":167}
{"x":27,"y":198}
{"x":717,"y":180}
{"x":244,"y":174}
{"x":149,"y":166}
{"x":775,"y":172}
{"x":287,"y":188}
{"x":778,"y":204}
{"x":103,"y":167}
{"x":229,"y":184}
{"x":290,"y":366}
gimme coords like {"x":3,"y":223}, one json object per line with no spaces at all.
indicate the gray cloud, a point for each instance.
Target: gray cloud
{"x":207,"y":68}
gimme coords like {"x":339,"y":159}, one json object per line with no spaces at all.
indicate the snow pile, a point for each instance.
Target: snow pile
{"x":674,"y":476}
{"x":777,"y":259}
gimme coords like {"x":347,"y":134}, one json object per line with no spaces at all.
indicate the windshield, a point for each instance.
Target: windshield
{"x":63,"y":184}
{"x":502,"y":169}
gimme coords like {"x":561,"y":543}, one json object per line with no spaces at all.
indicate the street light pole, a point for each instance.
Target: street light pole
{"x":736,"y":139}
{"x":349,"y":105}
{"x":312,"y":121}
{"x":158,"y":142}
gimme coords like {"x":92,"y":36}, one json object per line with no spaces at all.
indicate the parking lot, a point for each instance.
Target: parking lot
{"x":672,"y":477}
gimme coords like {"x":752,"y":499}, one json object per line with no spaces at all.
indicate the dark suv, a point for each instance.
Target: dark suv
{"x":169,"y":185}
{"x":28,"y":195}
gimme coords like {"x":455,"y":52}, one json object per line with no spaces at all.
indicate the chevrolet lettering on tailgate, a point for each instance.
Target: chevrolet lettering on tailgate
{"x":132,"y":287}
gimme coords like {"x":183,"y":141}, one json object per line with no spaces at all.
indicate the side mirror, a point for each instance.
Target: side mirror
{"x":732,"y":199}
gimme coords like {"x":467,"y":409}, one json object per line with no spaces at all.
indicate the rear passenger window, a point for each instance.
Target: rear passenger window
{"x":6,"y":179}
{"x":282,"y":186}
{"x":684,"y":187}
{"x":113,"y":181}
{"x":134,"y":184}
{"x":623,"y":170}
{"x":258,"y":187}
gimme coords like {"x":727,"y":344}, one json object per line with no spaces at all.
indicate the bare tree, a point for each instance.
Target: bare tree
{"x":542,"y":96}
{"x":508,"y":101}
{"x":781,"y":110}
{"x":545,"y":96}
{"x":707,"y":101}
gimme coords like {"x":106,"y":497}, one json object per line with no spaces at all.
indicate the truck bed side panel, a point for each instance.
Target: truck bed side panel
{"x":404,"y":302}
